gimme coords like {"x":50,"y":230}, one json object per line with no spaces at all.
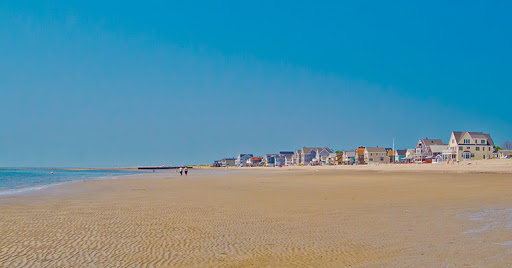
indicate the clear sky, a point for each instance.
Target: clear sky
{"x":126,"y":83}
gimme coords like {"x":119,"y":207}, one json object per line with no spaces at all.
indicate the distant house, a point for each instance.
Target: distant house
{"x":270,"y":160}
{"x":436,"y":153}
{"x":467,"y":146}
{"x":280,"y":161}
{"x":504,"y":154}
{"x":331,"y":159}
{"x":241,"y":160}
{"x":228,"y":162}
{"x":287,"y":157}
{"x":423,"y":150}
{"x":289,"y":160}
{"x":339,"y":158}
{"x":324,"y":155}
{"x":349,"y":157}
{"x":359,"y":155}
{"x":255,"y":161}
{"x":217,"y":163}
{"x":375,"y":155}
{"x":308,"y":154}
{"x":410,"y":154}
{"x":396,"y":156}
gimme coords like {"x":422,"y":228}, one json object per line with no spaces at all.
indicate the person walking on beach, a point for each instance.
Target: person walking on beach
{"x":181,"y":171}
{"x":186,"y":171}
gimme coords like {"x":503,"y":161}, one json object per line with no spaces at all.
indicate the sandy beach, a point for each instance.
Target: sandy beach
{"x":366,"y":216}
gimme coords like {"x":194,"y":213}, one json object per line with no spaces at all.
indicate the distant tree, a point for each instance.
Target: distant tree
{"x":497,"y":148}
{"x":507,"y":145}
{"x":339,"y":152}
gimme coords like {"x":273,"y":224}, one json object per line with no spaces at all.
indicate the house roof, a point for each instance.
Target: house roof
{"x":307,"y":150}
{"x":401,"y":152}
{"x":329,"y":150}
{"x":376,"y":149}
{"x":474,"y":135}
{"x":349,"y":153}
{"x":429,"y":142}
{"x":286,"y":152}
{"x":438,"y":148}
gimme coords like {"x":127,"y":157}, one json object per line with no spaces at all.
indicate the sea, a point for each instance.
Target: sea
{"x":18,"y":181}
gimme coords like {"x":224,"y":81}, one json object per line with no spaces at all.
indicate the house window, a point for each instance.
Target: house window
{"x":371,"y":159}
{"x":472,"y":155}
{"x":371,"y":154}
{"x":484,"y":156}
{"x":382,"y":159}
{"x":478,"y":148}
{"x":468,"y":148}
{"x":489,"y":149}
{"x":483,"y":141}
{"x":461,"y":148}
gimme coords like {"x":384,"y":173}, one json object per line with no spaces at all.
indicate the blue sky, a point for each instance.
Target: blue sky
{"x":125,"y":83}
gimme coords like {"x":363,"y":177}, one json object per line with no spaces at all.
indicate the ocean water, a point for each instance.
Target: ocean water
{"x":16,"y":181}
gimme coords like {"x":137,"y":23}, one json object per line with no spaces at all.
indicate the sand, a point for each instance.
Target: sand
{"x":385,"y":216}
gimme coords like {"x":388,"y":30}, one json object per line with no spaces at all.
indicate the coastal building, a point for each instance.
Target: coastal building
{"x":424,"y":151}
{"x":228,"y":162}
{"x":217,"y":163}
{"x":241,"y":160}
{"x":359,"y":156}
{"x":288,"y":160}
{"x":308,"y":154}
{"x":287,"y":157}
{"x":396,"y":156}
{"x":324,"y":154}
{"x":409,"y":155}
{"x":437,"y":153}
{"x":373,"y":155}
{"x":270,"y":160}
{"x":467,"y":146}
{"x":331,"y":159}
{"x":255,"y":161}
{"x":279,"y":161}
{"x":339,"y":158}
{"x":349,"y":157}
{"x":504,"y":154}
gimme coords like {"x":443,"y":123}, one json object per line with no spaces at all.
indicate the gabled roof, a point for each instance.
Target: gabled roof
{"x":307,"y":150}
{"x":329,"y":150}
{"x":326,"y":151}
{"x":474,"y":135}
{"x":429,"y":142}
{"x":376,"y":149}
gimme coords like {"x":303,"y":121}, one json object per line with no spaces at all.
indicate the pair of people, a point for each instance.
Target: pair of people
{"x":183,"y":170}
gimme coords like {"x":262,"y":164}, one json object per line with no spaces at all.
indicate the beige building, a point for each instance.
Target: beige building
{"x":375,"y":155}
{"x":466,"y":146}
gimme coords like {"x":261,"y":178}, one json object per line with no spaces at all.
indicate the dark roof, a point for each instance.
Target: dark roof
{"x":286,"y":152}
{"x":429,"y":142}
{"x":401,"y":152}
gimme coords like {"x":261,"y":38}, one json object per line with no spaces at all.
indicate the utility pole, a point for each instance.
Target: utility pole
{"x":394,"y":153}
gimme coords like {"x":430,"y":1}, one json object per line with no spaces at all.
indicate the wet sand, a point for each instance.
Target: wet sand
{"x":429,"y":216}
